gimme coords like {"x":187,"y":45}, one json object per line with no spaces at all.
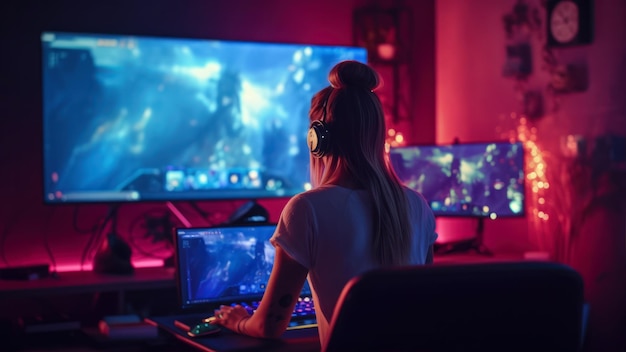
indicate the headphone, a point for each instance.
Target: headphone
{"x":318,"y":138}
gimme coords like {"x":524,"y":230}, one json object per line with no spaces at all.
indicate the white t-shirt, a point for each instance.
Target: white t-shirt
{"x":328,"y":231}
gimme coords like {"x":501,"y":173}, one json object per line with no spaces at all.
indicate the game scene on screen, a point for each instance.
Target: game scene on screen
{"x":484,"y":180}
{"x":225,"y":264}
{"x":129,"y":118}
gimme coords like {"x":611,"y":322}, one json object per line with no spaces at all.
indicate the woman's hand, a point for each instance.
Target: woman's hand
{"x":232,"y":318}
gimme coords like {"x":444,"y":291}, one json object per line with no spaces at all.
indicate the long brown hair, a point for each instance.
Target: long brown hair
{"x":356,"y":121}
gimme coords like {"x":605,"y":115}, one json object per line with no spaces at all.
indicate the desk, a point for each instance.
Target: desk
{"x":69,"y":283}
{"x":78,"y":294}
{"x":306,"y":339}
{"x":163,"y":278}
{"x":88,"y":281}
{"x":152,"y":278}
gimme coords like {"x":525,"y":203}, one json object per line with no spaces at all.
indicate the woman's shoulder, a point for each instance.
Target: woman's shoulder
{"x":416,"y":199}
{"x":319,"y":194}
{"x":413,"y":194}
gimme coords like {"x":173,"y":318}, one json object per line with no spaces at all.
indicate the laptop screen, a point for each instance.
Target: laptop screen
{"x":223,"y":265}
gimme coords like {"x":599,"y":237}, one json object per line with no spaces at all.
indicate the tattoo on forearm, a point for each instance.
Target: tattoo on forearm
{"x":285,"y":301}
{"x":274,"y":317}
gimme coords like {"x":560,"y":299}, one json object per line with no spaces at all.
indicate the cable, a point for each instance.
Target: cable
{"x":45,"y":238}
{"x":93,"y":231}
{"x":156,"y":237}
{"x":96,"y":234}
{"x":75,"y":223}
{"x":137,"y":247}
{"x":90,"y":241}
{"x":199,"y":210}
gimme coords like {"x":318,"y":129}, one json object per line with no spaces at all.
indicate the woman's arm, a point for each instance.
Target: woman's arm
{"x":274,"y":312}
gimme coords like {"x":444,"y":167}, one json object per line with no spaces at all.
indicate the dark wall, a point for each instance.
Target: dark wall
{"x":28,"y":227}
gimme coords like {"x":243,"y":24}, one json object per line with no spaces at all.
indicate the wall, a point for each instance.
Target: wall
{"x":27,"y":226}
{"x":475,"y":102}
{"x":471,"y":94}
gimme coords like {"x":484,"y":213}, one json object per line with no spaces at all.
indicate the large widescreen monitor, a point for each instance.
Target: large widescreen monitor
{"x":472,"y":179}
{"x":138,"y":118}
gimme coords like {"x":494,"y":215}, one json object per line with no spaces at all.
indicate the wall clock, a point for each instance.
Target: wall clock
{"x":569,"y":22}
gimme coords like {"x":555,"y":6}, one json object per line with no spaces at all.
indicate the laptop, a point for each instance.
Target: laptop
{"x":228,"y":265}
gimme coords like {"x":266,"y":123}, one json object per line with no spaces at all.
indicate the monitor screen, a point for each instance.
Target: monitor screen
{"x":475,"y":179}
{"x":224,"y":264}
{"x":137,"y":118}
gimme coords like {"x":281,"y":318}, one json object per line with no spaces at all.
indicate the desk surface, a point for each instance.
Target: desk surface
{"x":153,"y":278}
{"x":88,"y":281}
{"x":306,"y":339}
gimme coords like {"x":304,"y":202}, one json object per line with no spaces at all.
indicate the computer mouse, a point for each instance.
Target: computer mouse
{"x":204,"y":329}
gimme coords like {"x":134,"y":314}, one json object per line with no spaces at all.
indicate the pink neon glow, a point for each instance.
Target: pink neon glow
{"x":141,"y":263}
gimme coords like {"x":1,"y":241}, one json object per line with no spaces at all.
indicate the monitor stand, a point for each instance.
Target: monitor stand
{"x":463,"y":246}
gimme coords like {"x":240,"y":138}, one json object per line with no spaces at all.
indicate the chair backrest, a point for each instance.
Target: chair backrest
{"x":508,"y":306}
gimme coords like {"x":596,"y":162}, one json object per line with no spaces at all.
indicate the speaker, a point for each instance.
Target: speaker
{"x":113,"y":257}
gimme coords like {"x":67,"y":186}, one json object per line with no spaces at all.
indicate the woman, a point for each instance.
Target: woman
{"x":357,"y":217}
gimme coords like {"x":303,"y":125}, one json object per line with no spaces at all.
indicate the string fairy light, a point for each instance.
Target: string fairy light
{"x":547,"y":206}
{"x":394,"y":139}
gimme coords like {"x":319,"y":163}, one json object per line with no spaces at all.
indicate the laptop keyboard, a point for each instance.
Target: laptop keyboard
{"x":304,"y":307}
{"x":303,"y":313}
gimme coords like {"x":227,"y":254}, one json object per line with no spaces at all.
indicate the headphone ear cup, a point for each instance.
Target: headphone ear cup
{"x":318,"y":139}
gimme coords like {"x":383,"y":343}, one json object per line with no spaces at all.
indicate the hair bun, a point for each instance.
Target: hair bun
{"x":353,"y":74}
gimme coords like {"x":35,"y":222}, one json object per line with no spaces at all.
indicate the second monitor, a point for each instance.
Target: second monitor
{"x":470,"y":179}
